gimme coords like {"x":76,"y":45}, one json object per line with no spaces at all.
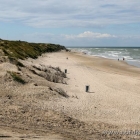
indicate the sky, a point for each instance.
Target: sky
{"x":72,"y":22}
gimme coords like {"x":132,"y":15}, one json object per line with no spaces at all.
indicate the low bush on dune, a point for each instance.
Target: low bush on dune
{"x":52,"y":74}
{"x":15,"y":61}
{"x":58,"y":72}
{"x":62,"y":92}
{"x":16,"y":77}
{"x":20,"y":64}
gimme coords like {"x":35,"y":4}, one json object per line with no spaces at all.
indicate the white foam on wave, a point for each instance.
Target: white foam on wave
{"x":100,"y":56}
{"x":113,"y":52}
{"x":110,"y":53}
{"x":128,"y":57}
{"x":114,"y":55}
{"x":136,"y":49}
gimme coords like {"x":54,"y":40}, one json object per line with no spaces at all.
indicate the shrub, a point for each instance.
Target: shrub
{"x":61,"y":92}
{"x":20,"y":64}
{"x":17,"y":77}
{"x":37,"y":68}
{"x":15,"y":61}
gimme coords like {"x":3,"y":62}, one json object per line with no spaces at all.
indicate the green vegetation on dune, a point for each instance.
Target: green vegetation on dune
{"x":22,"y":50}
{"x":16,"y":77}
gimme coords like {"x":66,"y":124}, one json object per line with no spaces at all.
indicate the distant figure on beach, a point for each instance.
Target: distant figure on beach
{"x":123,"y":58}
{"x":118,"y":59}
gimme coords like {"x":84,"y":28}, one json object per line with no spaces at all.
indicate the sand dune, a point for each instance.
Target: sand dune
{"x":111,"y":103}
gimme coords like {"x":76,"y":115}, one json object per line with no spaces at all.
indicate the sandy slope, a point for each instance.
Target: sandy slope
{"x":111,"y":103}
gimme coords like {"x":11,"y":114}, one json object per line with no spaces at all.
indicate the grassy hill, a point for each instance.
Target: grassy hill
{"x":21,"y":49}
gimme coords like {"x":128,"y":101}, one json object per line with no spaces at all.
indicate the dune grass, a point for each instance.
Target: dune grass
{"x":22,"y":49}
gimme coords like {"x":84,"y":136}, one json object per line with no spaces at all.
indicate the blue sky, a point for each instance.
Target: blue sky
{"x":72,"y":22}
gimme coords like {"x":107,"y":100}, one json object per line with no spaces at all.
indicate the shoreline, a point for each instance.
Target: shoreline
{"x":114,"y":64}
{"x":134,"y":63}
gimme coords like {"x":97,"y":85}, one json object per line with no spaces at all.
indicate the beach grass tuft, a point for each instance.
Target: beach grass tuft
{"x":16,"y":77}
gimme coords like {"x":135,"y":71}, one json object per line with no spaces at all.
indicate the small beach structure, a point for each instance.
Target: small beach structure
{"x":87,"y":88}
{"x":65,"y":70}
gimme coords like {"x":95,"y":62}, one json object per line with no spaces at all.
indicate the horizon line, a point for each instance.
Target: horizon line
{"x":102,"y":46}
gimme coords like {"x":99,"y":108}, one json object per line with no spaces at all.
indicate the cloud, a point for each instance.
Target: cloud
{"x":65,"y":39}
{"x":90,"y":35}
{"x":87,"y":35}
{"x":74,"y":13}
{"x":86,"y":38}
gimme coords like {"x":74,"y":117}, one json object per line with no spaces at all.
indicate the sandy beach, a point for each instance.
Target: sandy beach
{"x":114,"y":88}
{"x":113,"y":100}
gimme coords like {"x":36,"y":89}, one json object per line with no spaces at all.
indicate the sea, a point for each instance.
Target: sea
{"x":130,"y":54}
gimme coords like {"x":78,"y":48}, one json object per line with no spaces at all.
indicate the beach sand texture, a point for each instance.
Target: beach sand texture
{"x":114,"y":88}
{"x":113,"y":99}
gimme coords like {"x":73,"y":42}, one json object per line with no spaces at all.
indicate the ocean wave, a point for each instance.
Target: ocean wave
{"x":136,"y":49}
{"x":128,"y":57}
{"x":112,"y":53}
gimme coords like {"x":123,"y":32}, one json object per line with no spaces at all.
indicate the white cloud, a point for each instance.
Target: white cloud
{"x":90,"y":35}
{"x":83,"y":39}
